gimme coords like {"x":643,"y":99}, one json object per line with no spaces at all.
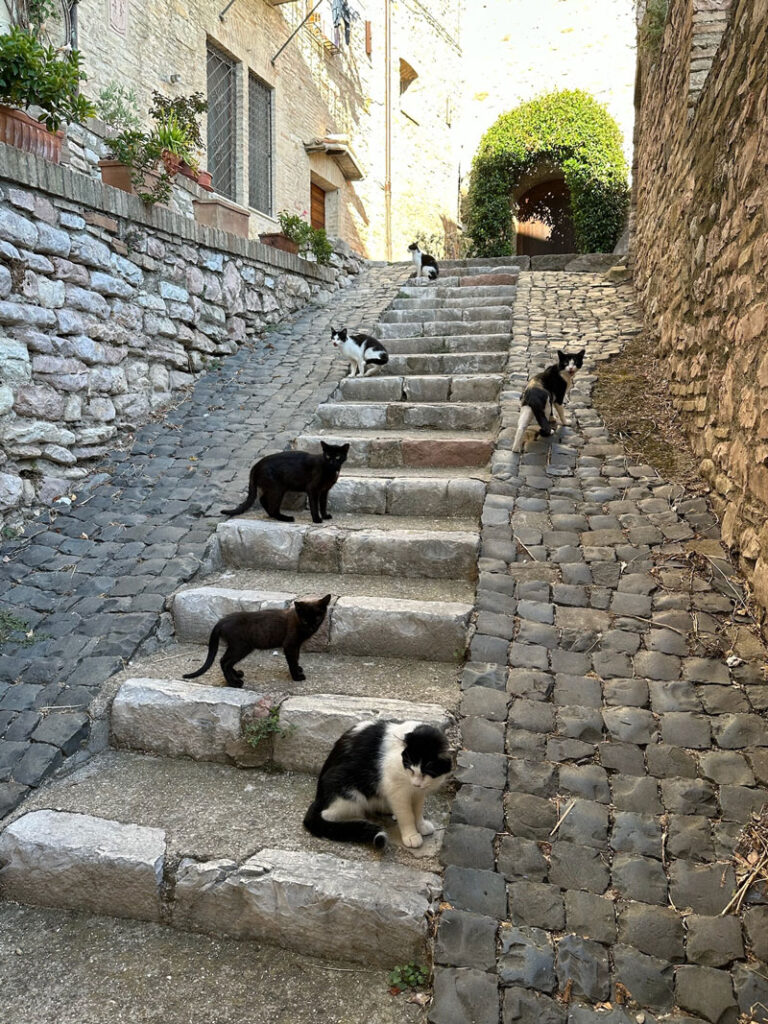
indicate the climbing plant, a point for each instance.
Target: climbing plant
{"x":569,"y":130}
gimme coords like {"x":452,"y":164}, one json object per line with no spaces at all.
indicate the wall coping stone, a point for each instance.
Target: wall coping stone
{"x":34,"y":172}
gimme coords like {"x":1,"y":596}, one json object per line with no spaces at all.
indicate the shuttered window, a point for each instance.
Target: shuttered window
{"x":259,"y":144}
{"x":222,"y":111}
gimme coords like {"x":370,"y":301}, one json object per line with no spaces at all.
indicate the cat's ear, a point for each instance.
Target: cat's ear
{"x":324,"y":446}
{"x":344,"y":448}
{"x":325,"y":601}
{"x":342,"y":333}
{"x":580,"y":354}
{"x":561,"y":356}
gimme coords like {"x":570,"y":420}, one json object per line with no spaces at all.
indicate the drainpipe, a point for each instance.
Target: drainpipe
{"x":388,"y":130}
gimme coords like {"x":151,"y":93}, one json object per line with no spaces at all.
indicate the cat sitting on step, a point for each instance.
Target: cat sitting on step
{"x":364,"y":353}
{"x":275,"y":474}
{"x":244,"y":632}
{"x":545,"y":394}
{"x":379,"y":768}
{"x":426,"y":265}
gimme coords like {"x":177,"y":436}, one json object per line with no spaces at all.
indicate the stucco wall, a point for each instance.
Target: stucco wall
{"x":701,"y":249}
{"x":317,"y":92}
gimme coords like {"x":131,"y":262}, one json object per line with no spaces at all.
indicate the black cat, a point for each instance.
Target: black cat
{"x":275,"y":474}
{"x":244,"y":632}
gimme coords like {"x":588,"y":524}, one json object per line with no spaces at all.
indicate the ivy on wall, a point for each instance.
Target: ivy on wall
{"x":569,"y":130}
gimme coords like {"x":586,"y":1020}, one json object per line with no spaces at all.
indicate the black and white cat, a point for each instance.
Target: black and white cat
{"x":379,"y":768}
{"x":364,"y":353}
{"x":544,"y":395}
{"x":426,"y":265}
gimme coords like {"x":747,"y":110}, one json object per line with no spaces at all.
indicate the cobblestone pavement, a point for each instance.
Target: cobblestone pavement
{"x":611,"y":754}
{"x":89,"y":583}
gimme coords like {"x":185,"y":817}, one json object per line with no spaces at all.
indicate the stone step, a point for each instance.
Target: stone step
{"x":485,"y":264}
{"x":363,"y":625}
{"x":266,"y":543}
{"x":405,"y":448}
{"x":71,"y":955}
{"x":431,"y":682}
{"x":406,"y":496}
{"x":457,"y":388}
{"x":457,"y":298}
{"x":182,"y":718}
{"x":419,"y":415}
{"x":444,"y":363}
{"x":450,"y":343}
{"x":428,"y":312}
{"x":435,"y":328}
{"x":207,"y":847}
{"x":506,"y":292}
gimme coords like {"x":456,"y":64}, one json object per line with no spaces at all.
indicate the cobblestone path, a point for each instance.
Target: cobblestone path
{"x":91,"y":580}
{"x":611,"y":758}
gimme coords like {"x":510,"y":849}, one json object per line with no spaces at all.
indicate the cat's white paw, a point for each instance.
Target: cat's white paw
{"x":425,"y":827}
{"x":413,"y":840}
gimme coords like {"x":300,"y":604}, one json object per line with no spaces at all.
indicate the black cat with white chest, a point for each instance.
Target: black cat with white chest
{"x":426,"y":265}
{"x":365,"y":353}
{"x":545,"y":393}
{"x":379,"y":768}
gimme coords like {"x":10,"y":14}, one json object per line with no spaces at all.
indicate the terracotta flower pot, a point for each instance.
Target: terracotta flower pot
{"x":222,"y":214}
{"x":171,"y":162}
{"x":204,"y":180}
{"x":186,"y":170}
{"x":116,"y":174}
{"x":20,"y":130}
{"x":279,"y":241}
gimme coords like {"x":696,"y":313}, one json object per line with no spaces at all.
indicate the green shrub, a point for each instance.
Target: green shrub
{"x":569,"y":130}
{"x":117,"y":106}
{"x":35,"y":75}
{"x":305,"y":236}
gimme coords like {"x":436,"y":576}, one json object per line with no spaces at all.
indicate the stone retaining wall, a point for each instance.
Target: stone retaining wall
{"x":108,"y":309}
{"x":700,"y":252}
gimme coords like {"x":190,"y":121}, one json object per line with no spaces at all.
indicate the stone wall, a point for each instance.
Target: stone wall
{"x":700,"y":249}
{"x":108,"y":311}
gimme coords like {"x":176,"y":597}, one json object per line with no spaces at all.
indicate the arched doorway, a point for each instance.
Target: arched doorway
{"x":545,"y":220}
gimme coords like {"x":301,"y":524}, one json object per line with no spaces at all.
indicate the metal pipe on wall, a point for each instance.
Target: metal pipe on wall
{"x":388,"y":129}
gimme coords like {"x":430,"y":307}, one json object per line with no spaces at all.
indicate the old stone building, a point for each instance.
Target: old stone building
{"x":701,"y":244}
{"x":342,"y":122}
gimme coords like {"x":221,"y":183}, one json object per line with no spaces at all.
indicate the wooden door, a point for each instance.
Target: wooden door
{"x":317,"y":218}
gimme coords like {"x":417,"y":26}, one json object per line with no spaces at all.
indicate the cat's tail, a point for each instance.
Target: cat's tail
{"x":213,"y":646}
{"x":253,"y":493}
{"x":343,"y":831}
{"x":377,"y":359}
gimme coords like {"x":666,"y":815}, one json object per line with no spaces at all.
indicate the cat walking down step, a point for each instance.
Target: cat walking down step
{"x":244,"y":632}
{"x":365,"y":354}
{"x":426,"y":265}
{"x":545,"y":393}
{"x":379,"y":768}
{"x":275,"y":474}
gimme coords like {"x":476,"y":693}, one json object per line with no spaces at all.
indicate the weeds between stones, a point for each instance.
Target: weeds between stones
{"x":750,"y":860}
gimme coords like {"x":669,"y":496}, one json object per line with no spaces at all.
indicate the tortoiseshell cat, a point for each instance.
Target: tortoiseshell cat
{"x":244,"y":632}
{"x":275,"y":474}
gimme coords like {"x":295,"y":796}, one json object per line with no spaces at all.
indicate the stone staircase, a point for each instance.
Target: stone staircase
{"x":166,"y":826}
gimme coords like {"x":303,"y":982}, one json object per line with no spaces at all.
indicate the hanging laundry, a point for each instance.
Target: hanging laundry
{"x":342,"y":12}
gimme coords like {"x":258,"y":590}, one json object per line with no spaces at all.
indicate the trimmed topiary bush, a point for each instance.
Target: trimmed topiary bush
{"x":571,"y":131}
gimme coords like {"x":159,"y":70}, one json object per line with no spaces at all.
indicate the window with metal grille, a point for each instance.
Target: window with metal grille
{"x":222,"y":110}
{"x":259,"y":144}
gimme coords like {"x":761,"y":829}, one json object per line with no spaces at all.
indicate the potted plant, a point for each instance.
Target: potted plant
{"x":146,"y":162}
{"x":35,"y":75}
{"x":299,"y":237}
{"x":293,"y":237}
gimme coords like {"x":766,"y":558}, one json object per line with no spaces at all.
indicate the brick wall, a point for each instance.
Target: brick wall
{"x":317,"y":91}
{"x":108,"y":310}
{"x":701,"y":249}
